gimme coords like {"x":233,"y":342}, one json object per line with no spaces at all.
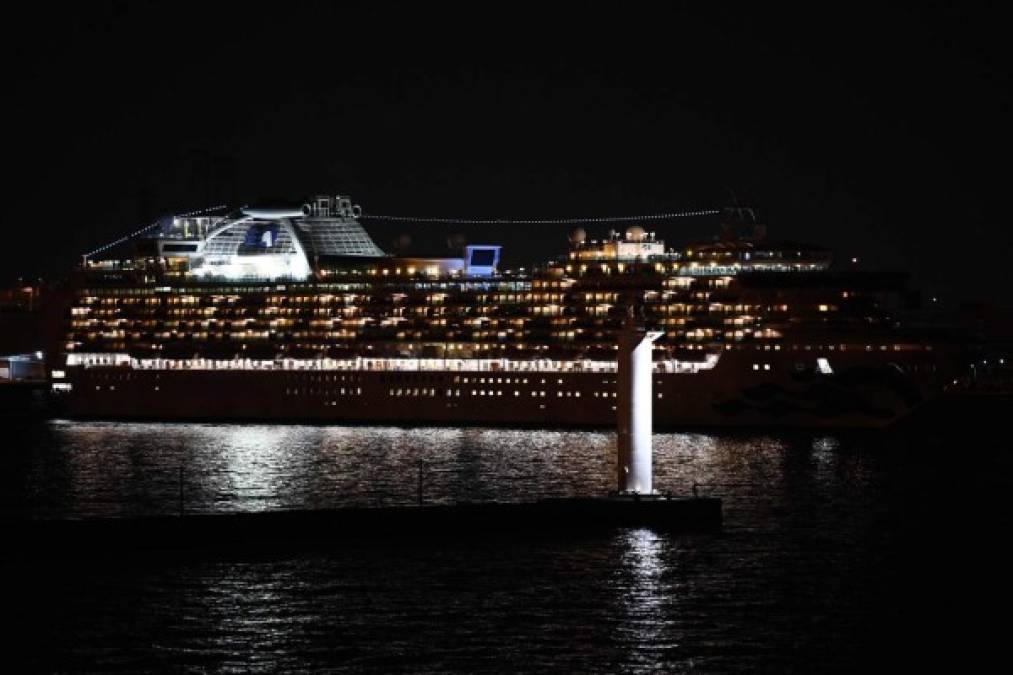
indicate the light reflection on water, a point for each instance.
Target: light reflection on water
{"x":86,"y":469}
{"x":639,"y":582}
{"x":800,"y":544}
{"x":111,"y":469}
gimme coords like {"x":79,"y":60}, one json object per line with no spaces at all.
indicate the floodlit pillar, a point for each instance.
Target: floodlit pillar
{"x":635,"y":408}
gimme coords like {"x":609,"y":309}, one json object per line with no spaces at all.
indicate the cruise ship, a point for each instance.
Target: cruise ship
{"x":296,"y":314}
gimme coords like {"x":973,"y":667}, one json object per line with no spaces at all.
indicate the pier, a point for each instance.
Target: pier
{"x":269,"y":531}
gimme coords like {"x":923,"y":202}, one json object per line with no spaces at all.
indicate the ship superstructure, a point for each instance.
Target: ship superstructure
{"x":295,"y":313}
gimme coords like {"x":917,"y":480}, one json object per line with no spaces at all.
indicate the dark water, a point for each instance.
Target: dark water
{"x":839,"y":554}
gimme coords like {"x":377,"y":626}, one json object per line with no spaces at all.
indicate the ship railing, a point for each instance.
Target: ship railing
{"x":367,"y":364}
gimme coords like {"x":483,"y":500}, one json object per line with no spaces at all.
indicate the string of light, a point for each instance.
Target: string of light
{"x":200,"y":212}
{"x":122,"y":239}
{"x":188,"y":214}
{"x":540,"y":221}
{"x":455,"y":221}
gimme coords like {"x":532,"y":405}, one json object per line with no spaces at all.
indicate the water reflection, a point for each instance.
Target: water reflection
{"x":642,"y":594}
{"x":112,"y":469}
{"x":787,"y":582}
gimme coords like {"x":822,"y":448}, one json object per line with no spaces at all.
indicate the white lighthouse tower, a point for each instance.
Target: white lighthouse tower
{"x":635,"y":408}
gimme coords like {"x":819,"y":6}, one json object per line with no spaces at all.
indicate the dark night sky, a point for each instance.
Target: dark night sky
{"x":881,"y":133}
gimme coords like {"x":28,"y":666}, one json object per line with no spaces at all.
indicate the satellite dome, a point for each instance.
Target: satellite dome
{"x":635,"y":233}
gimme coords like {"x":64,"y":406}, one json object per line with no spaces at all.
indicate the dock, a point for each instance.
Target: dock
{"x":274,"y":530}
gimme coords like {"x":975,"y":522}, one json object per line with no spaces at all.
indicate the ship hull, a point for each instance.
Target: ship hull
{"x":733,"y":394}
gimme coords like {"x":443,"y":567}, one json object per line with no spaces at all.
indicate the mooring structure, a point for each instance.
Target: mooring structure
{"x":634,"y":412}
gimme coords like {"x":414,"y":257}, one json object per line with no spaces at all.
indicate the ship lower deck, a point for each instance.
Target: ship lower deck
{"x":733,"y":395}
